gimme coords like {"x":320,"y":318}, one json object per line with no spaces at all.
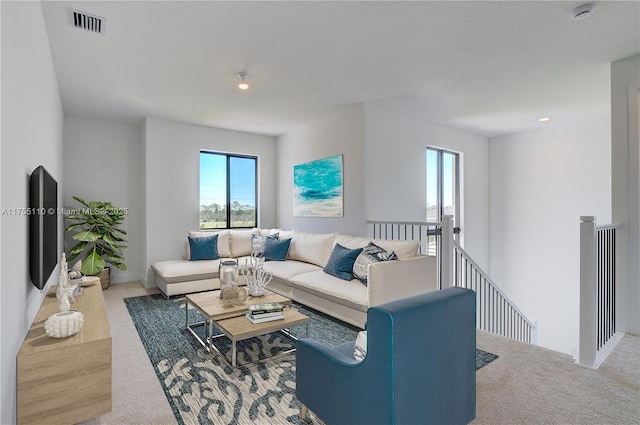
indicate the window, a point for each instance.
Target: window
{"x":227,"y":179}
{"x":443,"y":185}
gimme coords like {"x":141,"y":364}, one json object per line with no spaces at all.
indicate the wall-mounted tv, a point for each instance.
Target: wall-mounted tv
{"x":43,"y":226}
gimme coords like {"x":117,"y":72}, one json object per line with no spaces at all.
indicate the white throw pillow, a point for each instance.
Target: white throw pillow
{"x":314,"y":248}
{"x":264,"y":232}
{"x":240,"y":241}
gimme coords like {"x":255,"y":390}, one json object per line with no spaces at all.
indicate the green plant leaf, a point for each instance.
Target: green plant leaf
{"x":72,"y":227}
{"x":95,"y":225}
{"x":77,"y":249}
{"x":109,"y":239}
{"x":86,"y":235}
{"x":74,"y":217}
{"x":82,"y":201}
{"x":120,"y":266}
{"x":114,"y":258}
{"x":92,"y":264}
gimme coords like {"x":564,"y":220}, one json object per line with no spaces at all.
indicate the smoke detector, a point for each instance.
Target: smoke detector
{"x":583,"y":11}
{"x":86,"y":22}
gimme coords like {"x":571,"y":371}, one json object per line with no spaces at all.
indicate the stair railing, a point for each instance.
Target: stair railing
{"x":597,"y":290}
{"x":496,"y":313}
{"x":424,"y":231}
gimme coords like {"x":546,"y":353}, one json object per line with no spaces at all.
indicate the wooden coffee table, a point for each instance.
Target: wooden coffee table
{"x":233,"y":323}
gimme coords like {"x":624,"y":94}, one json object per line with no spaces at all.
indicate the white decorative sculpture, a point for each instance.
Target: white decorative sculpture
{"x":64,"y":292}
{"x":253,"y":271}
{"x":77,"y":266}
{"x":64,"y":324}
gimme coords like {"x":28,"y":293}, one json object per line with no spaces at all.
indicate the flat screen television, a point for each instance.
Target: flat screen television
{"x":43,"y":226}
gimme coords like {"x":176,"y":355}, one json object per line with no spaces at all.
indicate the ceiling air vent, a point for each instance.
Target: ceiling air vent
{"x":86,"y":22}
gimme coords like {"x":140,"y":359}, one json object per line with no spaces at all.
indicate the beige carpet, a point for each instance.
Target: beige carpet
{"x":532,"y":385}
{"x":526,"y":385}
{"x":137,"y":397}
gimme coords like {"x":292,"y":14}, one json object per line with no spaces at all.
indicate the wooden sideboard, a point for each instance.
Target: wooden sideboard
{"x":66,"y":380}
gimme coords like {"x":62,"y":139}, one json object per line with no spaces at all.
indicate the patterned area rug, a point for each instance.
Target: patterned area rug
{"x":203,"y":389}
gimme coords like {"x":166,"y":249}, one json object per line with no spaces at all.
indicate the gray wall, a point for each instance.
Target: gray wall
{"x":171,"y":180}
{"x":152,"y":168}
{"x":541,"y":183}
{"x":338,"y":132}
{"x":395,"y":172}
{"x":625,"y":187}
{"x":32,"y":122}
{"x":384,"y":170}
{"x":102,"y":162}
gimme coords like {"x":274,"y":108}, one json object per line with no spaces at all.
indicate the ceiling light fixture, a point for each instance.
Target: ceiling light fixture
{"x":544,"y":119}
{"x":243,"y":85}
{"x":583,"y":11}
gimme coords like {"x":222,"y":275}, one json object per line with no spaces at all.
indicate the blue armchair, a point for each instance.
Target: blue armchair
{"x":419,"y":367}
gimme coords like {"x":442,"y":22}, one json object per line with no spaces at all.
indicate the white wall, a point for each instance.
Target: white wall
{"x":32,"y":123}
{"x":103,"y":162}
{"x":625,"y":188}
{"x":338,"y":132}
{"x":541,"y":183}
{"x":395,"y":173}
{"x":172,"y":161}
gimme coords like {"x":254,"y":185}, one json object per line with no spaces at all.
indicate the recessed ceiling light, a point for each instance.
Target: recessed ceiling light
{"x":544,"y":119}
{"x":243,"y":85}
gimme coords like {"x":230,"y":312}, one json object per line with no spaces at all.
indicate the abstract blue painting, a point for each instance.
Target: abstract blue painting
{"x":317,"y":188}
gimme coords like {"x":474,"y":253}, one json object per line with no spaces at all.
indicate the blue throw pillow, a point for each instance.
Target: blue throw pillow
{"x":204,"y":248}
{"x":276,"y":249}
{"x":258,"y":242}
{"x":341,"y":261}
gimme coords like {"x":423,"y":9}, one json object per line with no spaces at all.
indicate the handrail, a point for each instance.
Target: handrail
{"x":496,"y":312}
{"x":493,"y":284}
{"x":608,"y":226}
{"x":421,"y":231}
{"x":413,"y":223}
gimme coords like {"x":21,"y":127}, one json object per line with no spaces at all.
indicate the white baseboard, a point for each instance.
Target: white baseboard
{"x":118,"y":276}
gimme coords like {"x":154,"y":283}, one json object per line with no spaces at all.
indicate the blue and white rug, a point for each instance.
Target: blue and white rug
{"x":203,"y":389}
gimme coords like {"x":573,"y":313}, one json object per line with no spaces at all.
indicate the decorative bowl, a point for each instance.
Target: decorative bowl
{"x":64,"y":324}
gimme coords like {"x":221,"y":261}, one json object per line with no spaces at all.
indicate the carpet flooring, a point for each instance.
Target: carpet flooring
{"x":202,"y":389}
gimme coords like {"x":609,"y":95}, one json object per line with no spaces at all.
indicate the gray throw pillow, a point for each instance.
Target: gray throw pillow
{"x":370,"y":254}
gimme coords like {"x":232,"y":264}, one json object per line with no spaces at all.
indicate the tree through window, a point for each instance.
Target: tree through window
{"x":228,"y":180}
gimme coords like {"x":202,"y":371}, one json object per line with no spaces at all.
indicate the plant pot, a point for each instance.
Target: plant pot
{"x":105,"y":277}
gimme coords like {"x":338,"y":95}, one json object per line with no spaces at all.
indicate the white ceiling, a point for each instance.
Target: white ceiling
{"x":489,"y":67}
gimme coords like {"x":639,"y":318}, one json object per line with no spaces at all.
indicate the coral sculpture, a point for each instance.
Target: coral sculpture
{"x":64,"y":292}
{"x":255,"y":275}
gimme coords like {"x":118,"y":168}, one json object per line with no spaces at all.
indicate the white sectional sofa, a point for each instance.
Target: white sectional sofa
{"x":301,"y":276}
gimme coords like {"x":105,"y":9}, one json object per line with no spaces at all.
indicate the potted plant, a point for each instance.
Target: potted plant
{"x":95,"y":227}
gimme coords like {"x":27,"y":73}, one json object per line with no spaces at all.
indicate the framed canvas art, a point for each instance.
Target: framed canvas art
{"x":317,"y":188}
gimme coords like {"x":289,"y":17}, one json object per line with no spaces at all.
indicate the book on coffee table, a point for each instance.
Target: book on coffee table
{"x":265,"y":308}
{"x":260,"y":319}
{"x":265,"y":315}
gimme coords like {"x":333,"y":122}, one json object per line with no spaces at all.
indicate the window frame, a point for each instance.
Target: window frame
{"x":440,"y":185}
{"x":228,"y":157}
